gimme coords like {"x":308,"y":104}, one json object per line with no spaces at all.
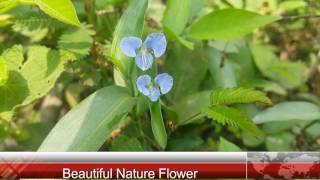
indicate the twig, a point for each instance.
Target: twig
{"x":226,"y":2}
{"x":300,"y":17}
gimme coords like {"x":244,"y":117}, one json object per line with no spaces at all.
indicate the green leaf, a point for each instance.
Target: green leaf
{"x":228,"y":24}
{"x":288,"y":111}
{"x":62,"y":10}
{"x":176,"y":15}
{"x":292,"y":5}
{"x":174,"y":37}
{"x":29,"y":80}
{"x":233,"y":117}
{"x":157,"y":124}
{"x":280,"y":142}
{"x":227,"y":146}
{"x":77,"y":41}
{"x":223,"y":76}
{"x":86,"y":127}
{"x":124,"y":143}
{"x":238,"y":96}
{"x":130,"y":24}
{"x":190,"y":106}
{"x":185,"y":141}
{"x":3,"y":72}
{"x":251,"y":141}
{"x":288,"y":74}
{"x":188,"y":68}
{"x":35,"y":21}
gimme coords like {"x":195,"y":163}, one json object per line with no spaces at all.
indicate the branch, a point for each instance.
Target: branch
{"x":300,"y":17}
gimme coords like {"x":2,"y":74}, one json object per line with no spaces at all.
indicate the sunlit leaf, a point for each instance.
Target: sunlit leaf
{"x":29,"y":80}
{"x":228,"y":24}
{"x":3,"y":72}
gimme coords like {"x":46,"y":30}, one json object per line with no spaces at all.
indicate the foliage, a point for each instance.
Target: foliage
{"x":28,"y":79}
{"x":233,"y":24}
{"x":244,"y":75}
{"x":77,"y":42}
{"x":83,"y":128}
{"x":238,"y":95}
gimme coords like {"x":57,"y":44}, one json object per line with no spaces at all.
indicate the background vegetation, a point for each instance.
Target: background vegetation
{"x":246,"y":75}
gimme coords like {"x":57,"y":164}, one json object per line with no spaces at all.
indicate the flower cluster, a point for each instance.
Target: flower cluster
{"x":145,"y":53}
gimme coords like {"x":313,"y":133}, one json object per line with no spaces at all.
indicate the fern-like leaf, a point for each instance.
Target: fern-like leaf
{"x":35,"y":20}
{"x":77,"y":41}
{"x":238,"y":96}
{"x":233,"y":117}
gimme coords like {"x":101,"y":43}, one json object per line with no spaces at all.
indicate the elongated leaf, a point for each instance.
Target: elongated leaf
{"x":3,"y":72}
{"x":62,"y":10}
{"x":287,"y":111}
{"x":130,"y":24}
{"x":87,"y":126}
{"x":176,"y":15}
{"x":77,"y":41}
{"x":29,"y":80}
{"x":233,"y":117}
{"x":188,"y":69}
{"x":238,"y":95}
{"x":227,"y":146}
{"x":157,"y":124}
{"x":223,"y":76}
{"x":229,"y":24}
{"x":288,"y":74}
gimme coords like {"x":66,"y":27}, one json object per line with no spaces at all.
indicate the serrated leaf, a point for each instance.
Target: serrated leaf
{"x":87,"y":126}
{"x":34,"y":21}
{"x":3,"y":72}
{"x":288,"y":111}
{"x":62,"y":10}
{"x":238,"y":96}
{"x":233,"y":117}
{"x":29,"y":80}
{"x":77,"y":41}
{"x":228,"y":24}
{"x":228,"y":146}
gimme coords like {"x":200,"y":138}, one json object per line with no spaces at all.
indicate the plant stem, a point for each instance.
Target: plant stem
{"x":300,"y":17}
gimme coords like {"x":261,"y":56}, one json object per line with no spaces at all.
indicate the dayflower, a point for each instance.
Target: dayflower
{"x":153,"y":47}
{"x":162,"y":84}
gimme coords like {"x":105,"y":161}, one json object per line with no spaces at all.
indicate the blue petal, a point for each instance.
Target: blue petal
{"x":157,"y":43}
{"x":129,"y":45}
{"x":144,"y":60}
{"x":154,"y":95}
{"x":165,"y":82}
{"x":143,"y":84}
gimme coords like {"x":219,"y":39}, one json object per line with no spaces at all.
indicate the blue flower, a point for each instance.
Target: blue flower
{"x":153,"y":47}
{"x":162,"y":84}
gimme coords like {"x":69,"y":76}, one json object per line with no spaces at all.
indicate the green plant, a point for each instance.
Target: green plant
{"x":202,"y":73}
